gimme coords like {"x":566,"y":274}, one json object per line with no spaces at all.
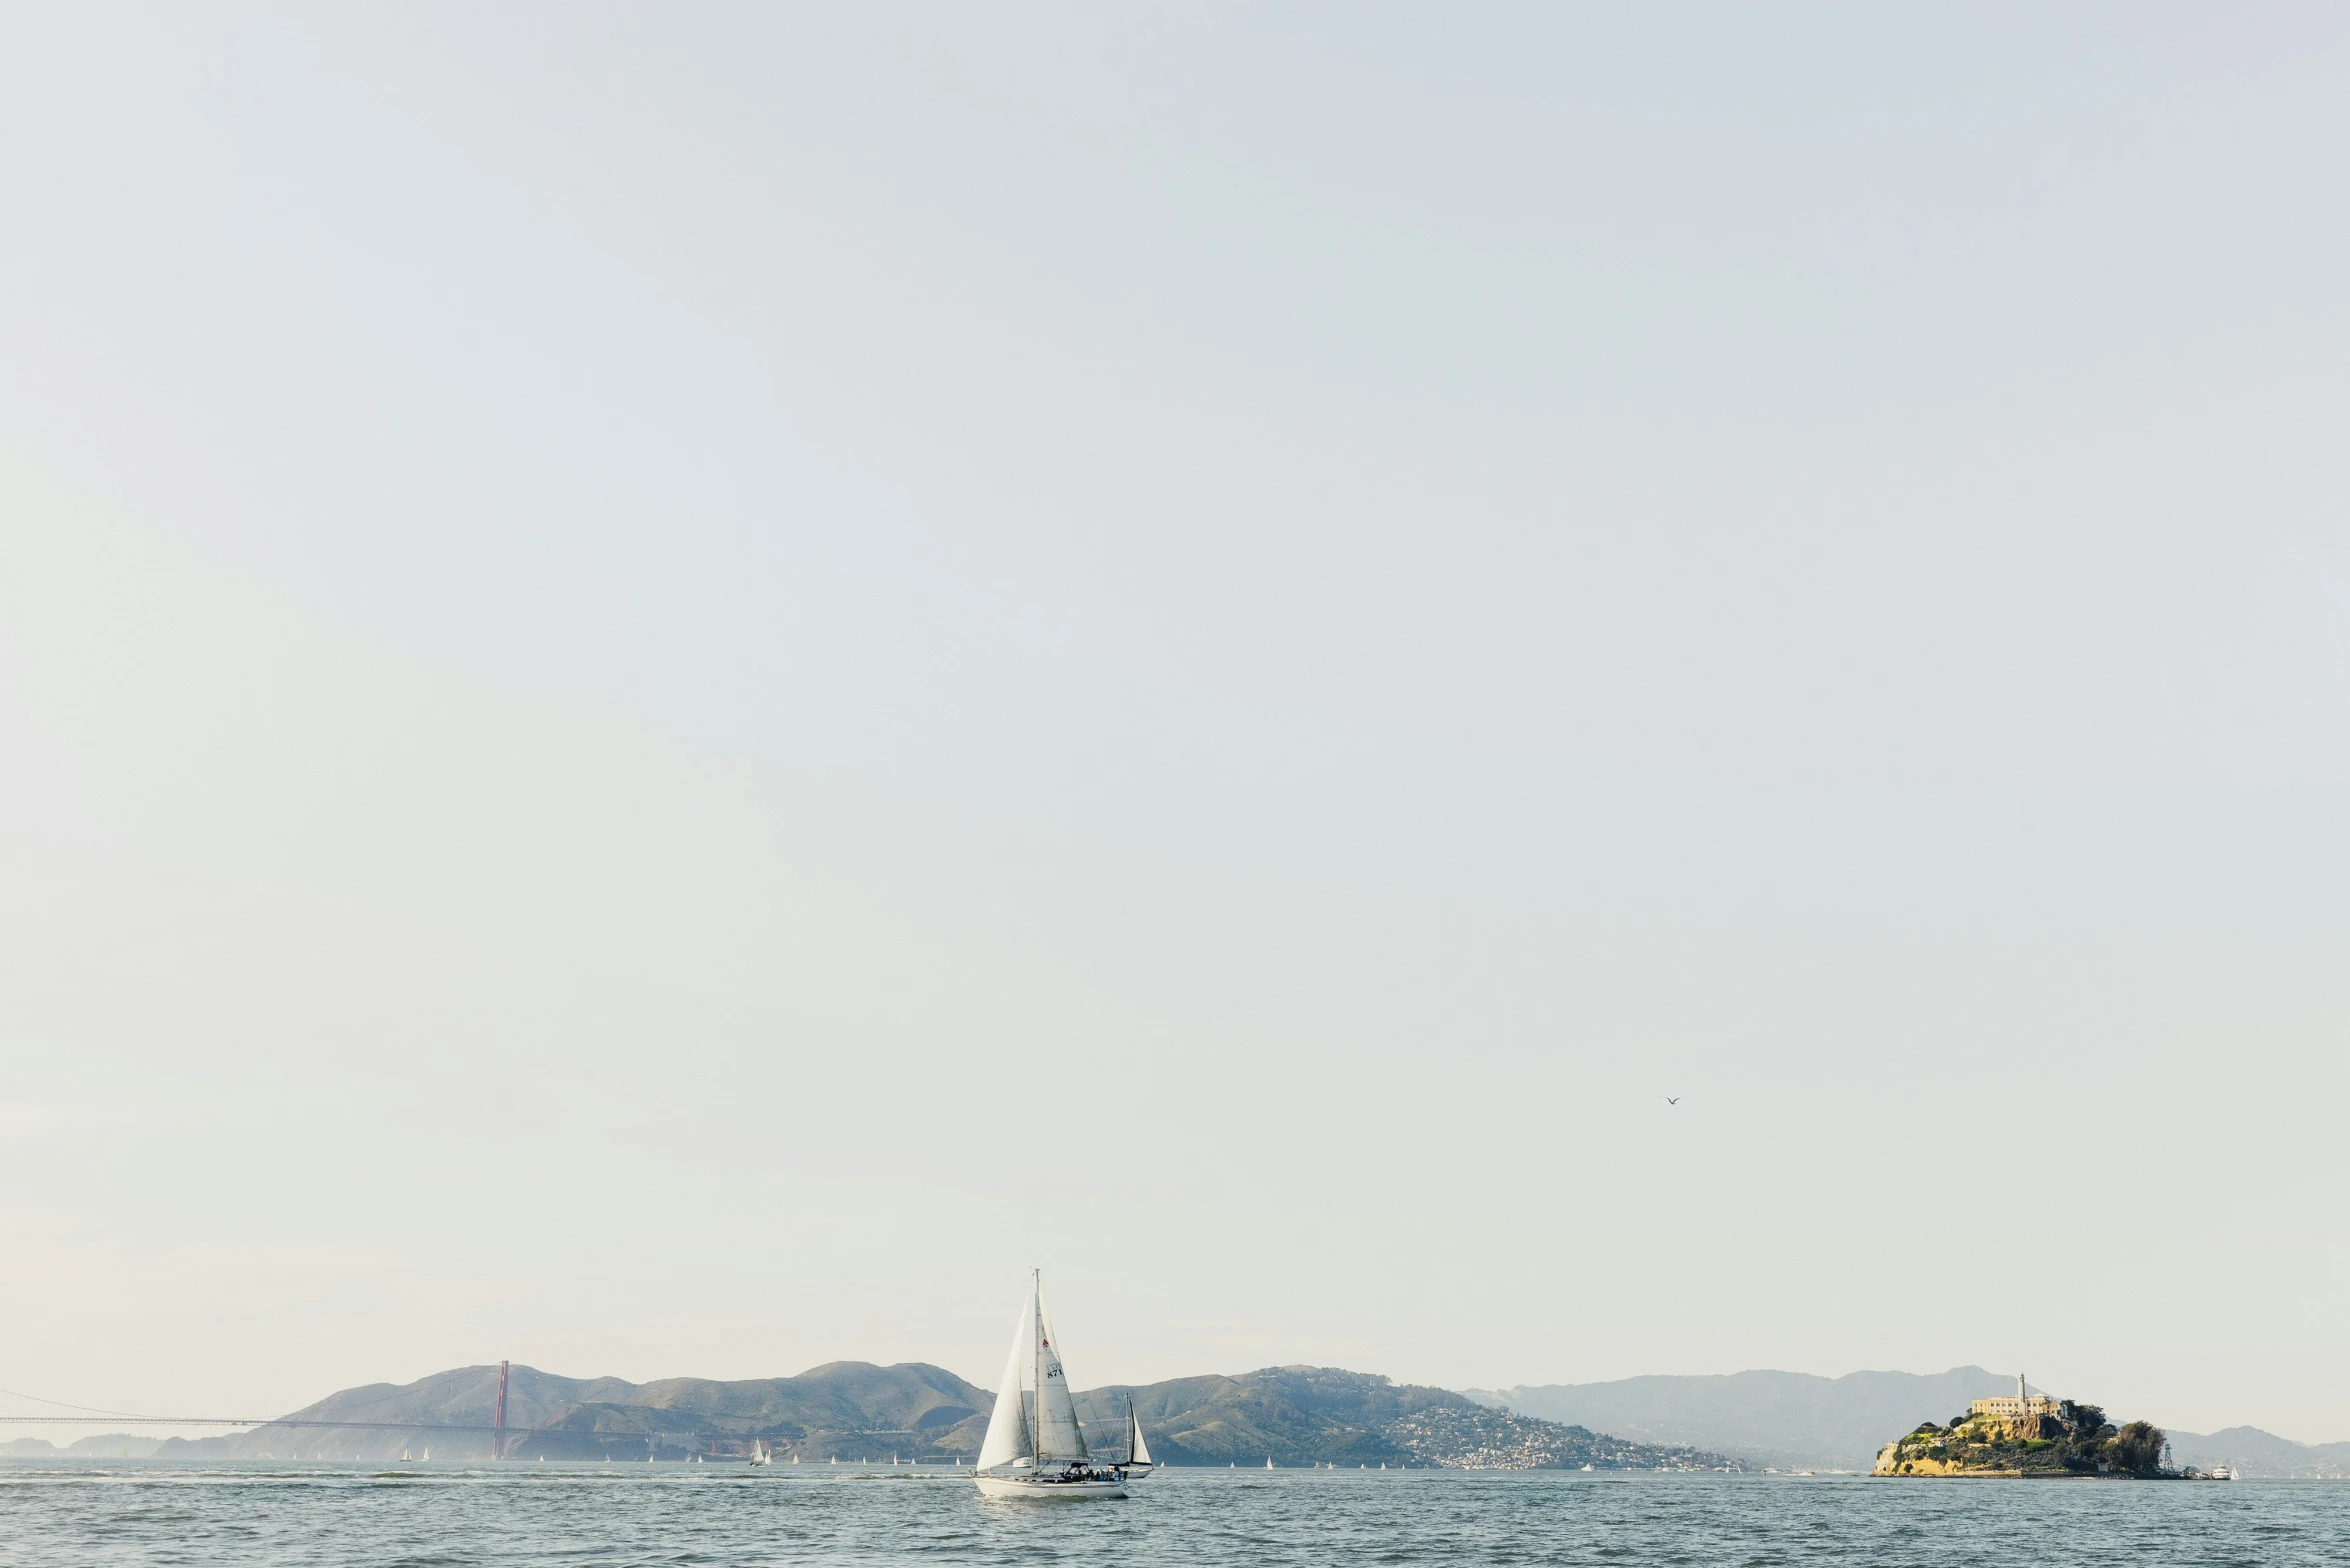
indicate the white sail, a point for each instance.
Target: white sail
{"x":1057,"y":1434}
{"x":1138,"y":1451}
{"x":1007,"y":1428}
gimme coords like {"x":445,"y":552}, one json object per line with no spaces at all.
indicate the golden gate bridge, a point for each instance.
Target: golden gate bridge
{"x":496,"y":1425}
{"x":718,"y":1444}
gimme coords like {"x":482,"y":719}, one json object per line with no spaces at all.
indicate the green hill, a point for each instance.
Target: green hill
{"x":1324,"y":1415}
{"x":853,"y":1410}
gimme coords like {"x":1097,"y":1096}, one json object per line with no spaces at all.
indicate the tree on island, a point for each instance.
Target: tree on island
{"x":2136,"y":1448}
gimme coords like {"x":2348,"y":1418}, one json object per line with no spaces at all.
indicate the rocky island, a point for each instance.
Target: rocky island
{"x":2027,"y":1436}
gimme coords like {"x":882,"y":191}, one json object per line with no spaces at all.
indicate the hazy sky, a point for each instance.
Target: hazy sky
{"x":678,"y":685}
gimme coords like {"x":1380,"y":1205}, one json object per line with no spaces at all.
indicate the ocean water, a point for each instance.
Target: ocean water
{"x":55,"y":1514}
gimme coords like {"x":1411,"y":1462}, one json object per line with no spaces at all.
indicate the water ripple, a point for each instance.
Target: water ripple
{"x":58,"y":1515}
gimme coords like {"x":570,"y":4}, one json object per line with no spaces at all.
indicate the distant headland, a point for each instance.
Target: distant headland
{"x":856,"y":1412}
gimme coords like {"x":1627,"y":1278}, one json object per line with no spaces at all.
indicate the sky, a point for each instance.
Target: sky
{"x":1504,"y":694}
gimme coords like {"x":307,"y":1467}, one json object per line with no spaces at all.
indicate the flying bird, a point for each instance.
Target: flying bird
{"x":1672,"y":1099}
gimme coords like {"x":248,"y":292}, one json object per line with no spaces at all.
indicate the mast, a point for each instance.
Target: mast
{"x":1036,"y":1355}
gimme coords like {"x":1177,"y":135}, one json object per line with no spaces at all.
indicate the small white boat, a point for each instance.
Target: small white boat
{"x":1045,"y":1458}
{"x":759,"y":1454}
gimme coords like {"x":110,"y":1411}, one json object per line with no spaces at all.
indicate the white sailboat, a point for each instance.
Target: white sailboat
{"x":1037,"y":1449}
{"x":759,"y":1455}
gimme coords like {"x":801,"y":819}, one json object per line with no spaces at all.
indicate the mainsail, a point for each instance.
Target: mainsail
{"x":1057,"y":1434}
{"x":1007,"y":1428}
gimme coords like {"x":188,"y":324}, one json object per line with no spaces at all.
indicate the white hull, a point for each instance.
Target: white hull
{"x":1046,"y":1491}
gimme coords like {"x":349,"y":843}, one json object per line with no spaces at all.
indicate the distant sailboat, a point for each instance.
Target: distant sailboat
{"x":1046,"y":1457}
{"x":759,"y":1455}
{"x":1268,"y":1461}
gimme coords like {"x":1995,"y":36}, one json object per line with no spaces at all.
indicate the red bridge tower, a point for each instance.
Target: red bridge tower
{"x":498,"y":1421}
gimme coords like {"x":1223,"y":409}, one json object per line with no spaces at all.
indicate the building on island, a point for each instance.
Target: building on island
{"x":2021,"y":1406}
